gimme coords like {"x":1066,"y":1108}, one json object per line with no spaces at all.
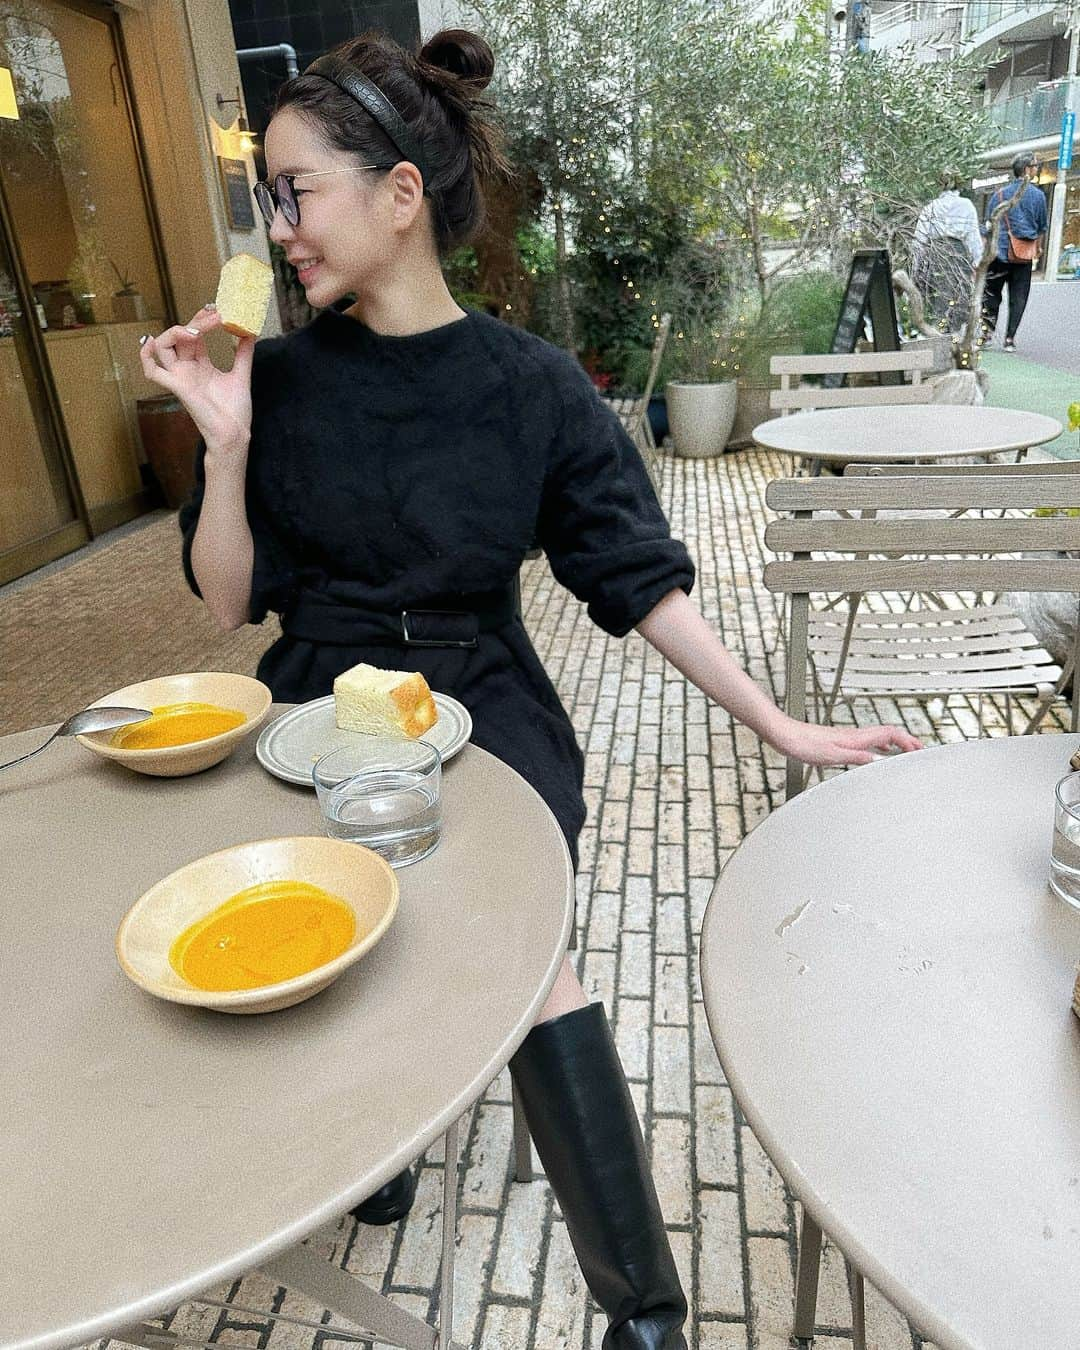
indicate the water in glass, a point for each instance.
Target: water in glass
{"x":395,"y":812}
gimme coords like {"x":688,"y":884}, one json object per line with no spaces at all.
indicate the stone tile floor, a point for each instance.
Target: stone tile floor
{"x":672,"y":788}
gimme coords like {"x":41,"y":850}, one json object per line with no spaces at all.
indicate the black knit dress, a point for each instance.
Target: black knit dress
{"x":391,"y":474}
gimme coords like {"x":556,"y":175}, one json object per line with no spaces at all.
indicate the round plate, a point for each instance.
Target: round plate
{"x":290,"y":745}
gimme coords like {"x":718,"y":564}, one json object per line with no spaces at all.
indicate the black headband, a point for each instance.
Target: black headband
{"x":372,"y":99}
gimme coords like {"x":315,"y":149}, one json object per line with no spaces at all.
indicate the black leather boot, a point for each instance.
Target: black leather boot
{"x":389,"y":1203}
{"x":582,"y":1120}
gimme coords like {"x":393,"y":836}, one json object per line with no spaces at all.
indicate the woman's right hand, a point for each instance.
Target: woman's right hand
{"x":219,"y":401}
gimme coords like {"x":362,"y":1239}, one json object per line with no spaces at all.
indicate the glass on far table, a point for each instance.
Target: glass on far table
{"x":384,"y":794}
{"x":1065,"y":851}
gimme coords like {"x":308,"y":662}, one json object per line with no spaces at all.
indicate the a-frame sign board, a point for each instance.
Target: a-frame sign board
{"x":867,"y":296}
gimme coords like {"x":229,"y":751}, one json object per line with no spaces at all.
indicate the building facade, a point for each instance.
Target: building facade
{"x":125,"y":182}
{"x":1028,"y":61}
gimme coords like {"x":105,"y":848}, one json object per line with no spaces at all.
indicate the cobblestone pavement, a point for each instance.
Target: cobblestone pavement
{"x":672,"y":788}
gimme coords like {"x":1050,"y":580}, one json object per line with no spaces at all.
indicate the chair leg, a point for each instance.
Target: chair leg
{"x":858,"y":1307}
{"x":806,"y":1278}
{"x":523,"y":1153}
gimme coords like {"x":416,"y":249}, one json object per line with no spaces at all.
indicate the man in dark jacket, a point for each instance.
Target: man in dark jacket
{"x":1021,"y":231}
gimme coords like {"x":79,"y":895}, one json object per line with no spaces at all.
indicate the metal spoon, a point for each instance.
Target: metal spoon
{"x":82,"y":723}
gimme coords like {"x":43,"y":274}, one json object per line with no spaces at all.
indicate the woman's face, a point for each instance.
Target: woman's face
{"x":345,"y":235}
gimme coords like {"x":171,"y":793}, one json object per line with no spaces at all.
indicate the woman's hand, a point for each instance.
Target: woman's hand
{"x":218,"y":401}
{"x":826,"y":745}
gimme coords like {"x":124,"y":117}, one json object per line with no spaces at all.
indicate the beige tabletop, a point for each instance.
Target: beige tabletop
{"x":147,"y":1150}
{"x":888,"y":980}
{"x":904,"y":433}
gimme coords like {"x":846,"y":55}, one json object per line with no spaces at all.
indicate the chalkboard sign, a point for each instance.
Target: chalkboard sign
{"x":239,"y":203}
{"x":867,"y":296}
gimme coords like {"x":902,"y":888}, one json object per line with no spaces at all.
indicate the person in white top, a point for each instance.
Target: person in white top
{"x":947,"y":247}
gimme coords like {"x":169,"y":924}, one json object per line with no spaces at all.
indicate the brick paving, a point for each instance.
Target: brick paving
{"x":672,"y":787}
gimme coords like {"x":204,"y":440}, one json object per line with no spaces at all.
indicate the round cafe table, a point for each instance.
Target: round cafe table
{"x":149,"y":1151}
{"x":888,"y":978}
{"x":904,"y":433}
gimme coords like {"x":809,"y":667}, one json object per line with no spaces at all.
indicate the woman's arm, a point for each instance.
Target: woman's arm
{"x":222,"y":551}
{"x":678,"y":632}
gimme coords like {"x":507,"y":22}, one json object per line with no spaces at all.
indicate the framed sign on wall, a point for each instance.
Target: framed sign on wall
{"x":239,"y":203}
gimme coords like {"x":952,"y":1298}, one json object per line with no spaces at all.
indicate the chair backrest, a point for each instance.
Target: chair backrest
{"x":1041,"y":468}
{"x":940,"y":544}
{"x":663,"y":329}
{"x":793,"y":396}
{"x":911,"y":550}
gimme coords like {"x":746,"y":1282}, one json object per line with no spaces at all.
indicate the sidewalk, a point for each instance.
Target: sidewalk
{"x":1016,"y":382}
{"x":672,"y":789}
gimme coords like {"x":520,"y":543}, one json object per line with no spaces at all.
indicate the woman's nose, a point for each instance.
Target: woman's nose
{"x":280,"y":231}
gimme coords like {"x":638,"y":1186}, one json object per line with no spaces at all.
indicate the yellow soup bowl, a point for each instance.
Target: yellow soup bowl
{"x":365,"y":882}
{"x":238,"y":692}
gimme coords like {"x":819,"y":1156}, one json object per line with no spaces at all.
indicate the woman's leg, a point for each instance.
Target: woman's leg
{"x":582,"y":1120}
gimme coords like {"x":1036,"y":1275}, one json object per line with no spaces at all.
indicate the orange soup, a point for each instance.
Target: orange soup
{"x":264,"y":934}
{"x":177,"y":724}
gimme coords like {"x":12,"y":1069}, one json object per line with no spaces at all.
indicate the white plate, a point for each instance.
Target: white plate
{"x":290,"y":745}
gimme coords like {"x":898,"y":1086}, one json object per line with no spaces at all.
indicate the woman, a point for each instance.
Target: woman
{"x":400,"y":454}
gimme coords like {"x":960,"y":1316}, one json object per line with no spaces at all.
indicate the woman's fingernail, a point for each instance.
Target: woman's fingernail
{"x":211,"y":307}
{"x":144,"y":339}
{"x":193,"y":331}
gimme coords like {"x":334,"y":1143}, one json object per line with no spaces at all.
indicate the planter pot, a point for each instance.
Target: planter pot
{"x":169,"y":439}
{"x":753,"y":409}
{"x":701,"y":417}
{"x":658,"y":418}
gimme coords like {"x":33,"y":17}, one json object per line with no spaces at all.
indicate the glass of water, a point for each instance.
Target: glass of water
{"x":384,"y":794}
{"x":1065,"y":853}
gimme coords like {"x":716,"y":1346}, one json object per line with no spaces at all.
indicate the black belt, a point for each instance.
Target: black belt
{"x":455,"y":621}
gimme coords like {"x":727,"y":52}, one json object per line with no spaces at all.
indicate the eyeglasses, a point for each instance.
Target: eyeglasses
{"x":282,"y":196}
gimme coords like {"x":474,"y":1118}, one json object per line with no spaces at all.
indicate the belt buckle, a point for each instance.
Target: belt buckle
{"x":469,"y":644}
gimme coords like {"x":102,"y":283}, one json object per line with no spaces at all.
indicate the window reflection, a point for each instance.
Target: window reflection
{"x":71,"y":172}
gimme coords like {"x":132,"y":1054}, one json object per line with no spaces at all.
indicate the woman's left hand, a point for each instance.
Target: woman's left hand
{"x":825,"y":745}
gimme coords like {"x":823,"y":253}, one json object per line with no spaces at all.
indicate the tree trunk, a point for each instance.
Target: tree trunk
{"x":567,"y":335}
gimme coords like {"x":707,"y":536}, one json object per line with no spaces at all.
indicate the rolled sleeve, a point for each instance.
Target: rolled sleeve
{"x":601,"y":526}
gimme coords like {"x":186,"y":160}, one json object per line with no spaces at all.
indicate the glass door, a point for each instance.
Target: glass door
{"x":83,"y":235}
{"x":39,"y":511}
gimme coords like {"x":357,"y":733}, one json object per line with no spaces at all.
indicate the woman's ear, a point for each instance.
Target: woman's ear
{"x":408,"y":192}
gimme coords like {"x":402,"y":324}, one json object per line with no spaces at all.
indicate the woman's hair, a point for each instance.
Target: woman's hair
{"x":438,"y":93}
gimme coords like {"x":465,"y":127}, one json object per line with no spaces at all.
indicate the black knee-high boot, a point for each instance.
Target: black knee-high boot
{"x":582,"y":1120}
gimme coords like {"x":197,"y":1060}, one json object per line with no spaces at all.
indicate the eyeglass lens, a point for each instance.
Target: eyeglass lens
{"x":282,"y":196}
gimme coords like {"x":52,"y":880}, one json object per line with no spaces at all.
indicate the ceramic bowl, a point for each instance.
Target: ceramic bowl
{"x":241,"y":692}
{"x":354,"y":874}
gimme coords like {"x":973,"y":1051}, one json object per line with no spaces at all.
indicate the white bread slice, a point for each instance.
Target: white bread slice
{"x":383,"y":702}
{"x":243,"y":295}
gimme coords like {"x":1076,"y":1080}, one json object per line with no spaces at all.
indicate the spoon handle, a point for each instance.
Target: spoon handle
{"x":23,"y":758}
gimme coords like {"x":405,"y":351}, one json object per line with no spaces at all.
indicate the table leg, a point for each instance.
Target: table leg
{"x":806,"y":1278}
{"x":858,"y":1307}
{"x":523,"y":1154}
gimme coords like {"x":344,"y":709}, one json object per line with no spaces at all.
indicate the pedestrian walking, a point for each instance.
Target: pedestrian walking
{"x":947,"y":247}
{"x":1021,"y":232}
{"x":396,"y":460}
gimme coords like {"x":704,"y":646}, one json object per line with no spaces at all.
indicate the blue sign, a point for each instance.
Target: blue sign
{"x":1065,"y":151}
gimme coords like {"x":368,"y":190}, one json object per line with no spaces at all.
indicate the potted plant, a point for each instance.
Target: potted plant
{"x":701,"y":392}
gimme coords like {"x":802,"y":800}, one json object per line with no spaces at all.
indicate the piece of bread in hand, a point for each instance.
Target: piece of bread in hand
{"x":383,"y":702}
{"x":243,"y":295}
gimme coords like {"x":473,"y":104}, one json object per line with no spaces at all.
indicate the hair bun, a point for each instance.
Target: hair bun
{"x":460,"y":53}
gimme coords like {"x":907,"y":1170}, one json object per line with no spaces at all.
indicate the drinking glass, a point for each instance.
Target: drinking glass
{"x":1065,"y":852}
{"x":384,"y":794}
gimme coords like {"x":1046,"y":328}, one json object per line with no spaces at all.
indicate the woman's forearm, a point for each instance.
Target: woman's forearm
{"x":677,"y":630}
{"x":222,"y":551}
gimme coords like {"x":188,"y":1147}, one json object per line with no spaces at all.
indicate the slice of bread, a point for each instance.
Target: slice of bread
{"x":243,"y":295}
{"x":383,"y":702}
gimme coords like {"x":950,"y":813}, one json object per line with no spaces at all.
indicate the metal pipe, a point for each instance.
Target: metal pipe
{"x":283,"y":49}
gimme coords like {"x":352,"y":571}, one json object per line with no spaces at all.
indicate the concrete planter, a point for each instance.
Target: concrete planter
{"x":701,"y":417}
